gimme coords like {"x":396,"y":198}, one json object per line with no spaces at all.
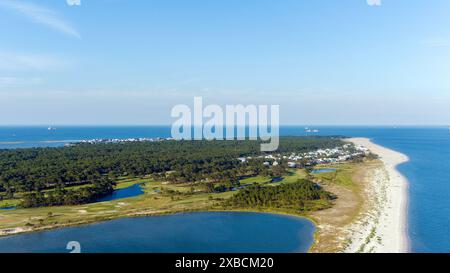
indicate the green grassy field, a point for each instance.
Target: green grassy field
{"x":121,"y":183}
{"x":256,"y":180}
{"x":158,"y":198}
{"x":342,"y":176}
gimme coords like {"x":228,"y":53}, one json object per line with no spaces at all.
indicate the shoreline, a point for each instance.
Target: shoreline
{"x":382,"y":226}
{"x":8,"y":233}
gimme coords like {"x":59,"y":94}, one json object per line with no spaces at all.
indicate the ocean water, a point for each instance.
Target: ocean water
{"x":428,"y":173}
{"x":204,"y":232}
{"x":428,"y":170}
{"x":41,"y":136}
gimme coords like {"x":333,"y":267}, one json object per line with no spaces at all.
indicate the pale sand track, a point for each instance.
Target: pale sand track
{"x":382,"y":228}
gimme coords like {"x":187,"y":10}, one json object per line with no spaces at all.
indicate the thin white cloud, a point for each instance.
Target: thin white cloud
{"x":15,"y":81}
{"x":374,"y":2}
{"x":436,"y":42}
{"x":41,"y":15}
{"x":10,"y":61}
{"x":73,"y":2}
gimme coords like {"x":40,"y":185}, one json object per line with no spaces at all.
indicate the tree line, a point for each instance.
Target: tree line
{"x":297,"y":196}
{"x":62,"y":197}
{"x":97,"y":166}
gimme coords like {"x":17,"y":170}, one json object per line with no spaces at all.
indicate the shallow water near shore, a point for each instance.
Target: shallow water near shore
{"x":428,"y":171}
{"x":209,"y":232}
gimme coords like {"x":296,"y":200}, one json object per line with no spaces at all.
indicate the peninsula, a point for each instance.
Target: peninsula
{"x":325,"y":179}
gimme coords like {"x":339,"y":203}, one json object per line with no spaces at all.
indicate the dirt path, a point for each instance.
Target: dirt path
{"x":332,"y":234}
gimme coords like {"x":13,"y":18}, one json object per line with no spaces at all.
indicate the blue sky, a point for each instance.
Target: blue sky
{"x":131,"y":61}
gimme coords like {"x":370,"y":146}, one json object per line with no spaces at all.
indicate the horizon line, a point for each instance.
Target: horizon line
{"x":281,"y":125}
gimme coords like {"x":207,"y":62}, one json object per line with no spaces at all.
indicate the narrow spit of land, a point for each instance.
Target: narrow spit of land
{"x":382,"y":227}
{"x":335,"y":219}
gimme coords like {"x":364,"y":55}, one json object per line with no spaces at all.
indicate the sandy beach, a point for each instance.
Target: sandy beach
{"x":382,"y":225}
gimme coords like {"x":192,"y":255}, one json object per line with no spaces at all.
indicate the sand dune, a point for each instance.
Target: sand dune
{"x":382,"y":228}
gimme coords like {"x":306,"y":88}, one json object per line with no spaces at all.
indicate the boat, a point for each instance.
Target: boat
{"x":311,"y":130}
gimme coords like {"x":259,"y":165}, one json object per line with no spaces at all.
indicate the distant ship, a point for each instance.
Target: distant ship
{"x":50,"y":128}
{"x":308,"y":130}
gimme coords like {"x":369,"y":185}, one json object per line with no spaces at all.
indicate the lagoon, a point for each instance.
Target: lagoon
{"x":132,"y":191}
{"x":319,"y":171}
{"x":8,"y":208}
{"x":210,"y":232}
{"x":127,"y":192}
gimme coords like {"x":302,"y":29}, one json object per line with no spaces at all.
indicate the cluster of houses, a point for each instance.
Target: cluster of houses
{"x":322,"y":156}
{"x":118,"y":140}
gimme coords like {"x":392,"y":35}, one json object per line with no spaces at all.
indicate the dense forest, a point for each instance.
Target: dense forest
{"x":61,"y":196}
{"x":296,"y":196}
{"x":99,"y":165}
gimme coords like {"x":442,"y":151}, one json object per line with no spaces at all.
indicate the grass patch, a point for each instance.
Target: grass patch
{"x":343,"y":176}
{"x":293,"y":176}
{"x":256,"y":180}
{"x":9,"y":203}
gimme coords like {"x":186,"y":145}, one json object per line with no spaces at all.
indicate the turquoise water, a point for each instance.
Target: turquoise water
{"x":428,"y":170}
{"x":40,"y":136}
{"x":207,"y":232}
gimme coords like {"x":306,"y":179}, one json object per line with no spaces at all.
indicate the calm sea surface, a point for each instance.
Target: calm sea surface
{"x":204,"y":232}
{"x":428,"y":171}
{"x":127,"y":192}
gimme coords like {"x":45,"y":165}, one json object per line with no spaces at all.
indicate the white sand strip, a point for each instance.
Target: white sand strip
{"x":383,"y":227}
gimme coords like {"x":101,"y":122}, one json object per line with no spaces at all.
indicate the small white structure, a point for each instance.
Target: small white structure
{"x":292,"y":164}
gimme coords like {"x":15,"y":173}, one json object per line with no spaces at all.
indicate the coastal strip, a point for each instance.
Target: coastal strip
{"x":382,"y":225}
{"x":11,"y":142}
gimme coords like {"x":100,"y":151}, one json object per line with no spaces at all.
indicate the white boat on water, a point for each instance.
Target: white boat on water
{"x":50,"y":128}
